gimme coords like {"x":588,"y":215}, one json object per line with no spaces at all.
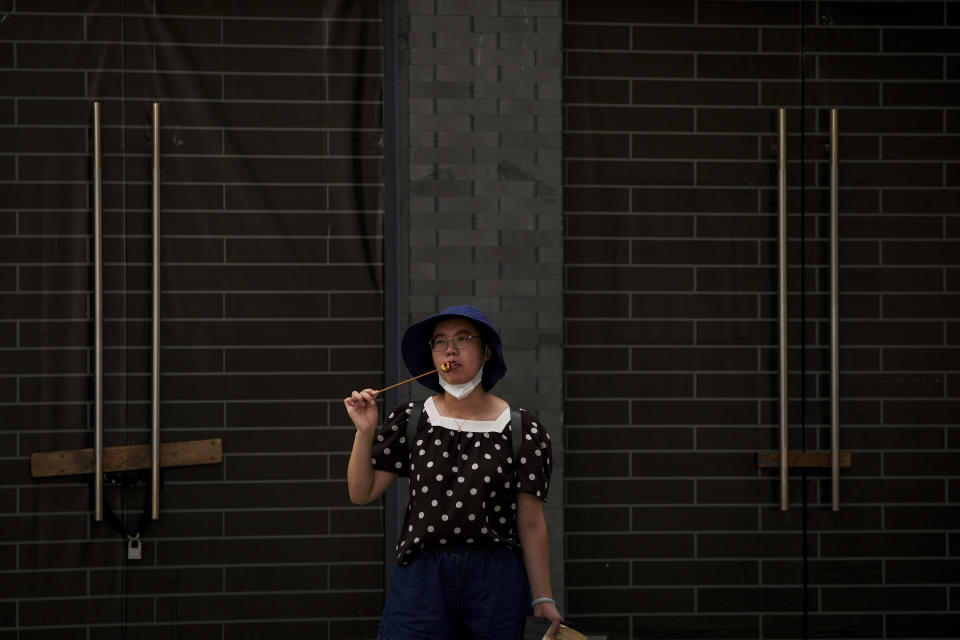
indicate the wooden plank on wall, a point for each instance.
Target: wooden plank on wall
{"x":767,"y":459}
{"x":127,"y":458}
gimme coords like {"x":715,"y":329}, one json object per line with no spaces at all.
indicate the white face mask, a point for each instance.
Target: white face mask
{"x":461,"y":391}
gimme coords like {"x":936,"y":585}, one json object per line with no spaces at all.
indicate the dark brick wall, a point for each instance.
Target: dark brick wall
{"x":272,"y":207}
{"x":670,"y":317}
{"x":272,"y":199}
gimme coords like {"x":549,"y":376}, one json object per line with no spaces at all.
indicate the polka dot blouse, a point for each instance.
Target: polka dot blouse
{"x":463,"y":476}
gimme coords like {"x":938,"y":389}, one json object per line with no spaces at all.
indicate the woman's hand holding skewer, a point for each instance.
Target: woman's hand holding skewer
{"x":362,"y":409}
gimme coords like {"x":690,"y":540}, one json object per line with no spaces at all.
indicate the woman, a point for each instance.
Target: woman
{"x":473,"y":555}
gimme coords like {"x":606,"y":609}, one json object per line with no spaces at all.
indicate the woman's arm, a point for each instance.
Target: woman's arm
{"x":532,"y":528}
{"x":364,"y":482}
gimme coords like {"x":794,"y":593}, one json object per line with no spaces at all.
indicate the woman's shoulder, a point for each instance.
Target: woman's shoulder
{"x":401,"y":410}
{"x":496,"y":404}
{"x":399,"y":415}
{"x":532,"y":427}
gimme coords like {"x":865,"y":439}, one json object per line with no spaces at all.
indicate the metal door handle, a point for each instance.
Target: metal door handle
{"x":834,"y":314}
{"x":782,"y":302}
{"x":783,"y":459}
{"x":155,"y":338}
{"x":97,"y":318}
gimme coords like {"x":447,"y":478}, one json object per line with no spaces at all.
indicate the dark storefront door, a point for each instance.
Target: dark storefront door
{"x":271,"y":223}
{"x":882,"y":567}
{"x":671,"y":318}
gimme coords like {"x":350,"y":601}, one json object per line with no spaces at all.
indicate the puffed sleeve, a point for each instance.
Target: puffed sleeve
{"x":536,"y":458}
{"x":390,"y":451}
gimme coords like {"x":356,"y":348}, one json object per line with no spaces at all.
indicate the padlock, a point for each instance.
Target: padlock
{"x":134,"y":549}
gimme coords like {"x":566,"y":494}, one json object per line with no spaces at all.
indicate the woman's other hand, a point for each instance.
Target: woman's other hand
{"x":549,"y":611}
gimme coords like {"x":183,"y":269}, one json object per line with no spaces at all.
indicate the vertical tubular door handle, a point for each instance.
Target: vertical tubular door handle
{"x":155,"y":338}
{"x":782,"y":302}
{"x":834,"y":314}
{"x":97,"y":319}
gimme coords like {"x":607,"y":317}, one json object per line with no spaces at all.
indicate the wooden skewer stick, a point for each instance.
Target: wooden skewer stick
{"x":444,"y":367}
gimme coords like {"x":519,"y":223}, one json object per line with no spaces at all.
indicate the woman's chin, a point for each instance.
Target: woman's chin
{"x":457,"y":378}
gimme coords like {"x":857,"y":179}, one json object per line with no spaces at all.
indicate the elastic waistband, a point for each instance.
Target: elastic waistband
{"x":463,"y":548}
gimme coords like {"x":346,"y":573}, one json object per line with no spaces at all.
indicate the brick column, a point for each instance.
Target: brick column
{"x":482,"y":201}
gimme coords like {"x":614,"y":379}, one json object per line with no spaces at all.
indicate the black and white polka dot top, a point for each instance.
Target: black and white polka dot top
{"x":463,"y":476}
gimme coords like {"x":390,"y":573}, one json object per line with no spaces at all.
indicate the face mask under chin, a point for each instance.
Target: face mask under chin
{"x":461,"y":391}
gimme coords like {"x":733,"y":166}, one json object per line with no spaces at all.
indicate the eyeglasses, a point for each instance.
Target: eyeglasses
{"x":460,"y":341}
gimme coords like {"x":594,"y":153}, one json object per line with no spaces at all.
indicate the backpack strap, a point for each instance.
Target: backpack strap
{"x":516,"y":427}
{"x":415,"y":412}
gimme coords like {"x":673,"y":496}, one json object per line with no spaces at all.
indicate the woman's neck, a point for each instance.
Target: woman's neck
{"x":472,"y":407}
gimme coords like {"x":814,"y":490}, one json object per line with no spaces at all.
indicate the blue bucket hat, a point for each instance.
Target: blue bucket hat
{"x":419,"y":359}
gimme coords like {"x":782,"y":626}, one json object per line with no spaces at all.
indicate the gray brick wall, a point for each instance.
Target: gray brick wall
{"x":483,"y":211}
